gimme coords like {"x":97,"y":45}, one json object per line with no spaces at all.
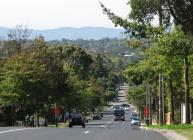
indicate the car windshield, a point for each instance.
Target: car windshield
{"x":134,"y":114}
{"x":135,"y":119}
{"x":119,"y":112}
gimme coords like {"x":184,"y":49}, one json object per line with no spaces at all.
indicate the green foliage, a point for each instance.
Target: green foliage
{"x":39,"y":76}
{"x":133,"y":27}
{"x":145,"y":11}
{"x":136,"y":95}
{"x":182,"y":12}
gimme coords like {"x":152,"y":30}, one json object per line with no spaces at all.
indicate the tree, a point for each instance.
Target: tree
{"x":139,"y":25}
{"x":31,"y":78}
{"x":181,"y":46}
{"x":77,"y":61}
{"x":17,"y":38}
{"x":182,"y":12}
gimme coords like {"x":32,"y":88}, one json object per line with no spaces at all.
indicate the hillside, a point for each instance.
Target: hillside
{"x":72,"y":33}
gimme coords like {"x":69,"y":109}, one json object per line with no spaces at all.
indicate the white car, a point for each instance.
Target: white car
{"x":125,"y":106}
{"x":135,"y":121}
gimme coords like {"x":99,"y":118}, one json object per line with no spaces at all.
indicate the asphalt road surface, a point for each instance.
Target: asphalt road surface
{"x":104,"y":129}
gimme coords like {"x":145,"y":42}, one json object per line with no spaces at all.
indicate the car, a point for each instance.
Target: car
{"x":77,"y":120}
{"x":133,"y":114}
{"x":135,"y":121}
{"x":96,"y":116}
{"x":116,"y":107}
{"x":125,"y":106}
{"x":119,"y":114}
{"x":101,"y":114}
{"x":85,"y":119}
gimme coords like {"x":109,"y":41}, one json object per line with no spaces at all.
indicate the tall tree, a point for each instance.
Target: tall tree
{"x":18,"y":37}
{"x":139,"y":24}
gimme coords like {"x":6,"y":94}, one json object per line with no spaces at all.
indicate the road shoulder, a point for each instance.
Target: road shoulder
{"x":169,"y":134}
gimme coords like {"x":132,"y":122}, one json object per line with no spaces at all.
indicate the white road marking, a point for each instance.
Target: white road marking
{"x":13,"y":130}
{"x":106,"y":124}
{"x":86,"y":132}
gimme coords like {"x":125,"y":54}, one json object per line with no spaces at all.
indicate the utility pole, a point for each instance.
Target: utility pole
{"x":149,"y":104}
{"x":163,"y":100}
{"x":160,"y":74}
{"x":160,"y":100}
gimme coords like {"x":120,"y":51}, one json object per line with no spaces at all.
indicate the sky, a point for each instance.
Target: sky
{"x":50,"y":14}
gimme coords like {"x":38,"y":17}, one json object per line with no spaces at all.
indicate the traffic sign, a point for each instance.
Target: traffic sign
{"x":146,"y":110}
{"x":56,"y":111}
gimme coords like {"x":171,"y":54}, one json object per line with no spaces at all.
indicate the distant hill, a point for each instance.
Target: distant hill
{"x":85,"y":33}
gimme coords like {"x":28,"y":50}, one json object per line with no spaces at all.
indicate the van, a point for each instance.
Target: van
{"x":119,"y":114}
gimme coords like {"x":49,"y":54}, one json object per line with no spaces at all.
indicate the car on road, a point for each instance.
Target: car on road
{"x":125,"y":106}
{"x":116,"y":107}
{"x":135,"y":121}
{"x":77,"y":120}
{"x":133,"y":114}
{"x":119,"y":114}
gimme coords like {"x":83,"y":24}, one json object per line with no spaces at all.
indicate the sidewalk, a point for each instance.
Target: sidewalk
{"x":169,"y":134}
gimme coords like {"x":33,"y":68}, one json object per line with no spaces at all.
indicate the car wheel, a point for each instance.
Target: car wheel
{"x":83,"y":126}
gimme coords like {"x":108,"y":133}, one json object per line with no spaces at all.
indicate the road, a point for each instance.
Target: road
{"x":104,"y":129}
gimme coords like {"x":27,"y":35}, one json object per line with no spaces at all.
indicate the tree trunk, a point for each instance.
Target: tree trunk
{"x":172,"y":99}
{"x":186,"y":88}
{"x":38,"y":115}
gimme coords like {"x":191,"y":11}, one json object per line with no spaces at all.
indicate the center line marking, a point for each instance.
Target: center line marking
{"x":86,"y":132}
{"x":106,"y":124}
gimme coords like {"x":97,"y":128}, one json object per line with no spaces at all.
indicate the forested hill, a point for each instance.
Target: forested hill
{"x":111,"y":47}
{"x":72,"y":33}
{"x":106,"y":45}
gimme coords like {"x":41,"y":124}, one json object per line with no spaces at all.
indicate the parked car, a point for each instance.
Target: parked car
{"x":85,"y":119}
{"x":101,"y":114}
{"x":119,"y":114}
{"x":96,"y":116}
{"x":133,"y":114}
{"x":135,"y":121}
{"x":77,"y":120}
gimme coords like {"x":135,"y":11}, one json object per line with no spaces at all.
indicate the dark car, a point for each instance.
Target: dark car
{"x":119,"y":114}
{"x":96,"y":116}
{"x":77,"y":120}
{"x":125,"y":105}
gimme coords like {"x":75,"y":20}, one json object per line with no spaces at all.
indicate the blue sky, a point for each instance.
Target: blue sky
{"x":48,"y":14}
